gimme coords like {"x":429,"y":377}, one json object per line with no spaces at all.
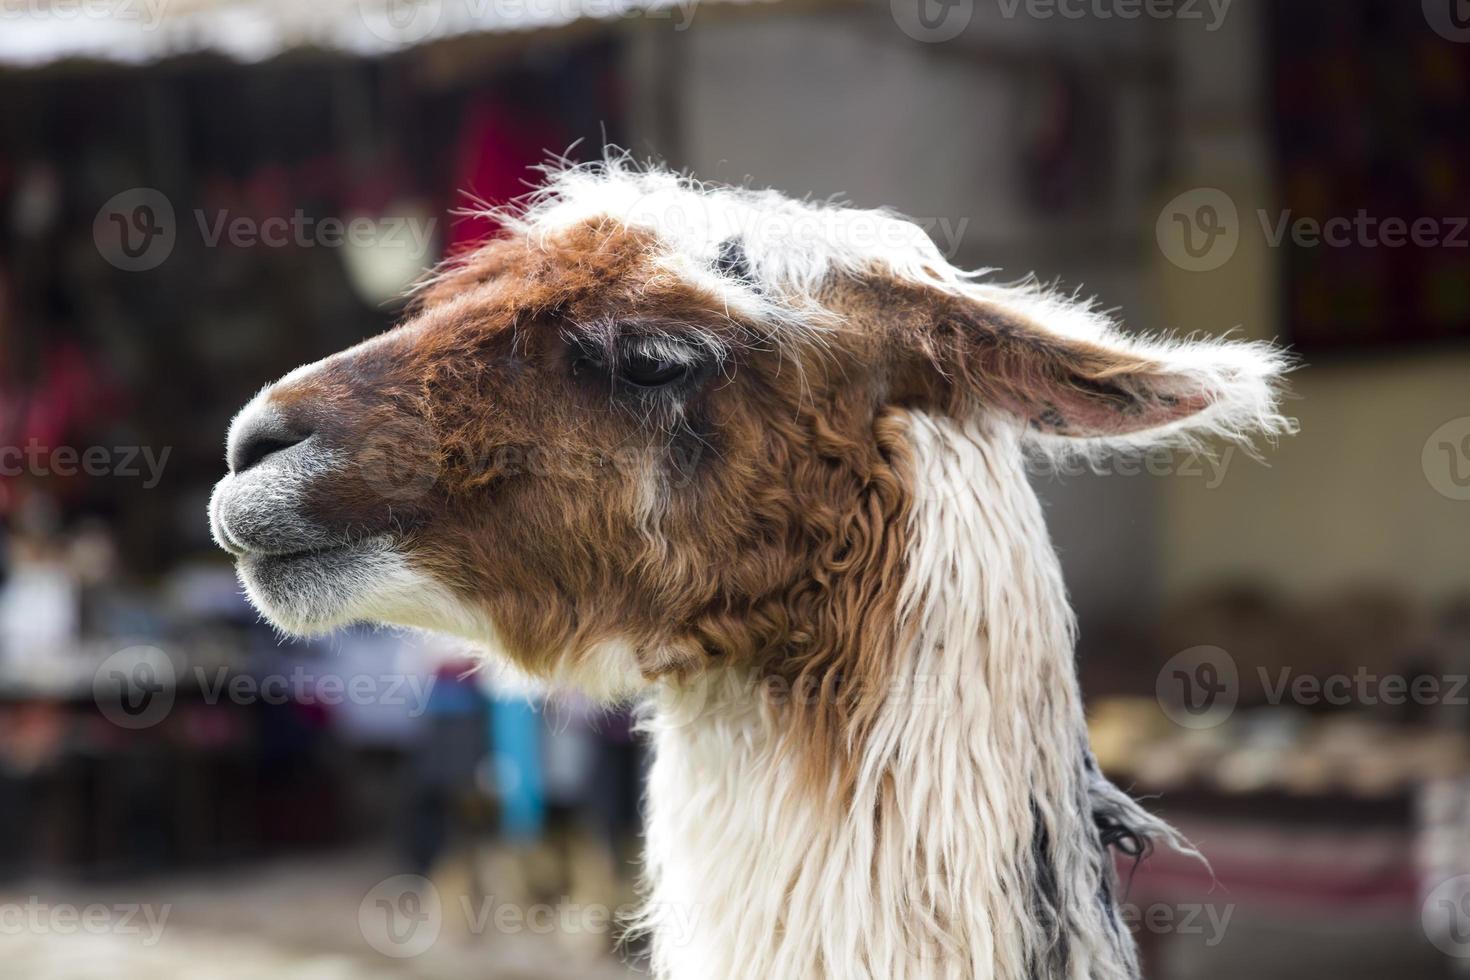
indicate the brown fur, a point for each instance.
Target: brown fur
{"x":758,"y":522}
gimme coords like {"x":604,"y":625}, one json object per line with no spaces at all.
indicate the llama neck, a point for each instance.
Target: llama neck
{"x":968,"y":848}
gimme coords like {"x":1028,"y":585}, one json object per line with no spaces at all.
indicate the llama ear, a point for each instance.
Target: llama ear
{"x":1070,"y":374}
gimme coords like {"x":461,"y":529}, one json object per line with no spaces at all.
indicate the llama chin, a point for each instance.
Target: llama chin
{"x":313,"y":592}
{"x":761,"y":462}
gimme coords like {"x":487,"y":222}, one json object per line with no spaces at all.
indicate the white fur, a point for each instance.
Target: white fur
{"x":929,"y":874}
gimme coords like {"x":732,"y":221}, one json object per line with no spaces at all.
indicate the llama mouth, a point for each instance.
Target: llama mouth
{"x":251,"y":533}
{"x":310,"y":591}
{"x":286,"y":559}
{"x":243,"y":549}
{"x":313,"y":562}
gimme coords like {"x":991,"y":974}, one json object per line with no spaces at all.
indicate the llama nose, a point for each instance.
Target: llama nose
{"x":259,"y":437}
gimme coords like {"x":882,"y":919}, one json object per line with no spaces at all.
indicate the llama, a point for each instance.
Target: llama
{"x":761,"y":464}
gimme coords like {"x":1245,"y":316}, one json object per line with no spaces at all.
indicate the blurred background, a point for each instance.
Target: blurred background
{"x":198,"y":195}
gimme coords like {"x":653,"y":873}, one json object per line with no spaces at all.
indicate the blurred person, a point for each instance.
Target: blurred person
{"x":451,"y":746}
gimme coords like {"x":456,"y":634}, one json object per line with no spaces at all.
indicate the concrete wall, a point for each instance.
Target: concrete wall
{"x":1348,"y":499}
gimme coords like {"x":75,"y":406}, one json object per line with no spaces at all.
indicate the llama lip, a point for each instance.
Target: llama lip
{"x":323,"y":554}
{"x":238,"y":545}
{"x":259,"y":557}
{"x":222,"y":535}
{"x":249,"y":520}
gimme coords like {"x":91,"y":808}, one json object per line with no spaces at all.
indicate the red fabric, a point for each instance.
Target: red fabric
{"x":497,"y":148}
{"x":69,"y":398}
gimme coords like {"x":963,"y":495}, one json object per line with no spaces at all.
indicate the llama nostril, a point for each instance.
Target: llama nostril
{"x":258,"y":441}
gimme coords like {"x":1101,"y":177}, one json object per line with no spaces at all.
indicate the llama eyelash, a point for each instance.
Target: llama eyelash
{"x":663,"y":348}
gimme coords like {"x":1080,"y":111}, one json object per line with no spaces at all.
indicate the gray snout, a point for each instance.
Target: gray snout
{"x":257,"y":508}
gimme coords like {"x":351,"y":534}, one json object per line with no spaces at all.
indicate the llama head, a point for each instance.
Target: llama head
{"x":656,"y":427}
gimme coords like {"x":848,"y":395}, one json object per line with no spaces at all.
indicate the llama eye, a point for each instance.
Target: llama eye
{"x":583,"y":364}
{"x":651,"y":371}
